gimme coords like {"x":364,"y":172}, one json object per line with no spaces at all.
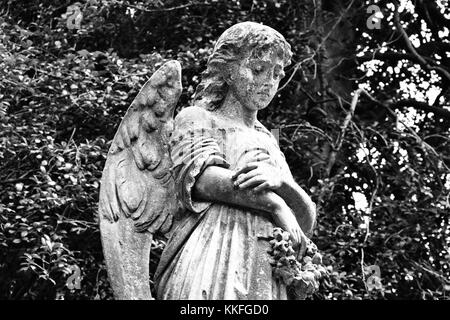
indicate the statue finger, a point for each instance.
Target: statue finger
{"x":303,"y":244}
{"x":294,"y":239}
{"x":246,"y":168}
{"x":298,"y":238}
{"x":245,"y":176}
{"x":255,"y":181}
{"x":262,"y":187}
{"x":269,"y":160}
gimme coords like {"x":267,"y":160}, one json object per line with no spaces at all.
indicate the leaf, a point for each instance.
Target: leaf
{"x":84,"y":53}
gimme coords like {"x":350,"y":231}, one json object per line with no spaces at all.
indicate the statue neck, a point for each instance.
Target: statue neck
{"x":231,"y":108}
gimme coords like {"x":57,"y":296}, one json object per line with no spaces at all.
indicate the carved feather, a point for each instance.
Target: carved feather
{"x":136,"y":181}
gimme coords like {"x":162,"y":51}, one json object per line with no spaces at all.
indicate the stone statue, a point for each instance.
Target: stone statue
{"x":214,"y":179}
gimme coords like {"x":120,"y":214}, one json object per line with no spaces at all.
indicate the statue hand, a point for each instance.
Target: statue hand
{"x":260,"y":174}
{"x":285,"y":219}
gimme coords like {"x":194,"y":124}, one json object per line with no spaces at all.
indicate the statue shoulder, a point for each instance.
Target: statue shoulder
{"x":193,"y":117}
{"x":260,"y":127}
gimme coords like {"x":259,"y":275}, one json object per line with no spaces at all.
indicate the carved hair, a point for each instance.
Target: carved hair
{"x":238,"y":42}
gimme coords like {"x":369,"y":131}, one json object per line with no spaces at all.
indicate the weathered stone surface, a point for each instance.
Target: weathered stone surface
{"x":136,"y":195}
{"x":228,"y":180}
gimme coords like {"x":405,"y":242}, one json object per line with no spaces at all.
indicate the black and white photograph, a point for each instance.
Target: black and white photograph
{"x":214,"y":151}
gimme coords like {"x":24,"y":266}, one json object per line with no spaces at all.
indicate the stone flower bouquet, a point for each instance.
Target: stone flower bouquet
{"x":302,"y":277}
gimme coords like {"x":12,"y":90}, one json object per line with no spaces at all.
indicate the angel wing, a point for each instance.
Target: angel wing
{"x":137,"y":196}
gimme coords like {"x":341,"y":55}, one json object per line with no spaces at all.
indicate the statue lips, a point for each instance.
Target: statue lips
{"x":264,"y":93}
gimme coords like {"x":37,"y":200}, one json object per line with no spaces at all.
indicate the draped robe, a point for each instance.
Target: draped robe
{"x":217,"y":250}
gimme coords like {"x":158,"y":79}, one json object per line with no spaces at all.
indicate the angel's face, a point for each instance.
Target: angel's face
{"x":254,"y":80}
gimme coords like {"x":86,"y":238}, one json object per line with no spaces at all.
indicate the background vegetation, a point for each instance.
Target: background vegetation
{"x":363,"y":112}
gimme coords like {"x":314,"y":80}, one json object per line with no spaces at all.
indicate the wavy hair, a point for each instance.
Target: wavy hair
{"x":238,"y":42}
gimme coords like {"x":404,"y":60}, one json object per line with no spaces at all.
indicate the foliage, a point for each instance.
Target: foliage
{"x":64,"y":90}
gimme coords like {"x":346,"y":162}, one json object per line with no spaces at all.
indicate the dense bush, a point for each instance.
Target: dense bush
{"x":64,"y":91}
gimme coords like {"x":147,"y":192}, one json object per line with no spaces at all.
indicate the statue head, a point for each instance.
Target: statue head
{"x":248,"y":59}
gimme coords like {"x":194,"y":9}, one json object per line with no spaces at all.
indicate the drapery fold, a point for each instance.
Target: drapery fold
{"x":193,"y":151}
{"x":216,"y":250}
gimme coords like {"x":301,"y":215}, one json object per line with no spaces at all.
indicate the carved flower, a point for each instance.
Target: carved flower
{"x":302,"y":275}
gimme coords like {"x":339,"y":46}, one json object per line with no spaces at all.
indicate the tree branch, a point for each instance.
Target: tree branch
{"x":433,"y":47}
{"x":411,"y":48}
{"x":338,"y":144}
{"x":319,"y":47}
{"x":398,"y":104}
{"x":166,"y":9}
{"x":443,"y":113}
{"x":438,"y":111}
{"x":389,"y":55}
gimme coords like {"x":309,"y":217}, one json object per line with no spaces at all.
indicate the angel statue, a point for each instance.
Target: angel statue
{"x":213,"y":179}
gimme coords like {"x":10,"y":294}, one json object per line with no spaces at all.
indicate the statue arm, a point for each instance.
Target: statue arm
{"x":263,"y":174}
{"x":299,"y":201}
{"x":215,"y":184}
